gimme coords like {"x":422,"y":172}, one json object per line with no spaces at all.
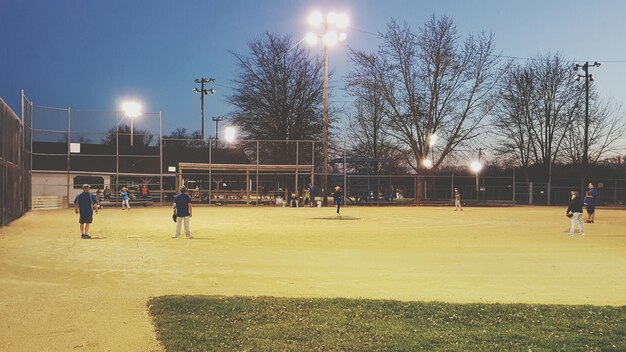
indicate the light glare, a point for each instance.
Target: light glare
{"x":332,"y":18}
{"x":432,"y":140}
{"x":476,"y":166}
{"x":342,"y":36}
{"x":229,"y":134}
{"x":131,"y":108}
{"x":342,"y":20}
{"x":311,"y":38}
{"x":316,"y":18}
{"x":331,"y":38}
{"x":427,"y":163}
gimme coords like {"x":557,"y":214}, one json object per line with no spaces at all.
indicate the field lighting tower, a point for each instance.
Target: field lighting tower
{"x":331,"y":34}
{"x":203,"y":91}
{"x":476,"y":166}
{"x":588,"y":78}
{"x":131,"y":109}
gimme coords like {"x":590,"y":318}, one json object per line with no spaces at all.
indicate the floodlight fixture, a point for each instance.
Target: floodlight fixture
{"x":131,"y":109}
{"x":316,"y":18}
{"x":230,"y":134}
{"x":331,"y":38}
{"x":476,"y":166}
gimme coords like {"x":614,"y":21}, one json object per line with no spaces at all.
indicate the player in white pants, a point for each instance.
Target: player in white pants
{"x":575,"y":208}
{"x":457,"y":200}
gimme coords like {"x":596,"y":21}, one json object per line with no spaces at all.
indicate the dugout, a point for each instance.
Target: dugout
{"x":242,"y":183}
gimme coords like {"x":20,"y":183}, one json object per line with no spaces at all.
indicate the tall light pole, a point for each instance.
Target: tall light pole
{"x":476,"y":166}
{"x":203,"y":91}
{"x":217,"y":120}
{"x":329,"y":37}
{"x":131,"y":109}
{"x":588,"y":78}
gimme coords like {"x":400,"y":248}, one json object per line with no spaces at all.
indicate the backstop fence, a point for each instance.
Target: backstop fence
{"x":110,"y":151}
{"x":15,"y":161}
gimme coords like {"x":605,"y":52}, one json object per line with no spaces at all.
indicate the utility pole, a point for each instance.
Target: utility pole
{"x":588,"y":78}
{"x":203,"y":91}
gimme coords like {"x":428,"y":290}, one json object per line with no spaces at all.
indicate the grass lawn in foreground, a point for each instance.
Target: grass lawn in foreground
{"x":214,"y":323}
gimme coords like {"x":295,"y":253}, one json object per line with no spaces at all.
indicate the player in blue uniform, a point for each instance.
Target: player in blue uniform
{"x":85,"y":204}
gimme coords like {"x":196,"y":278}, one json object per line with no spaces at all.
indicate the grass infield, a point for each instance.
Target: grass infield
{"x":216,"y":323}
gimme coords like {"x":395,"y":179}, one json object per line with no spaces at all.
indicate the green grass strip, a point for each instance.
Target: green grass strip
{"x":210,"y":323}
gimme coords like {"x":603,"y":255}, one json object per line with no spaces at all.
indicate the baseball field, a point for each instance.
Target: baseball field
{"x":61,"y":293}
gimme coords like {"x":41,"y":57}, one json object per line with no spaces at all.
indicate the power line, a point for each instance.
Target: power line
{"x":538,"y":59}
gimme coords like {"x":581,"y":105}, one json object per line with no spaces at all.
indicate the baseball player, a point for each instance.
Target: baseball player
{"x":85,"y":204}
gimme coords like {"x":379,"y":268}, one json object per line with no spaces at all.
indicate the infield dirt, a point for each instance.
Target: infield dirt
{"x":61,"y":293}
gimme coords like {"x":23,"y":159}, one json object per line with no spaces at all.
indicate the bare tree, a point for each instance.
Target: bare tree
{"x":278,"y":93}
{"x":141,"y":138}
{"x":181,"y":138}
{"x":512,"y":115}
{"x":538,"y":104}
{"x":432,"y":83}
{"x":368,"y":137}
{"x":606,"y":131}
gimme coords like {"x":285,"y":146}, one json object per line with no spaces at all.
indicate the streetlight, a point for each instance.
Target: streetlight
{"x":329,"y":37}
{"x":588,"y":78}
{"x":203,"y":91}
{"x":131,"y":109}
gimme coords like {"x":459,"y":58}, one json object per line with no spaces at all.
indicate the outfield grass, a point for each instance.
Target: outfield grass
{"x":205,"y":323}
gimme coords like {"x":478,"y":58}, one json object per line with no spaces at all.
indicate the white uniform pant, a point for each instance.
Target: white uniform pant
{"x":457,"y":203}
{"x":179,"y":222}
{"x":577,"y":219}
{"x":126,"y":203}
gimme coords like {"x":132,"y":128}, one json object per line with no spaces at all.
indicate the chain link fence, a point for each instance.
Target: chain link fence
{"x":110,"y":151}
{"x":15,"y":162}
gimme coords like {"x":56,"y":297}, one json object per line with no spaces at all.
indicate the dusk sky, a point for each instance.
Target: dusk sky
{"x":91,"y":54}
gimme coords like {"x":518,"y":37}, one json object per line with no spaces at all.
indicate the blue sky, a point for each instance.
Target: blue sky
{"x":91,"y":54}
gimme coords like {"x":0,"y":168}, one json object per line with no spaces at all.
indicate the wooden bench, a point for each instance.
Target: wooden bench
{"x":49,"y":202}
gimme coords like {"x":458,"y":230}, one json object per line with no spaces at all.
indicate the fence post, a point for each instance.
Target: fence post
{"x":530,"y":193}
{"x":345,"y":175}
{"x":69,"y":139}
{"x":257,"y":173}
{"x":513,"y":184}
{"x":160,"y":158}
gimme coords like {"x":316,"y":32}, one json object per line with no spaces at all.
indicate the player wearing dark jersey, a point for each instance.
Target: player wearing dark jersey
{"x":338,"y":198}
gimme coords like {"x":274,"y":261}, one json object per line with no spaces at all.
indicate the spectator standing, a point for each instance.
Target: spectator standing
{"x":591,"y":200}
{"x":182,"y":204}
{"x":312,"y":194}
{"x":307,"y":196}
{"x":85,"y":204}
